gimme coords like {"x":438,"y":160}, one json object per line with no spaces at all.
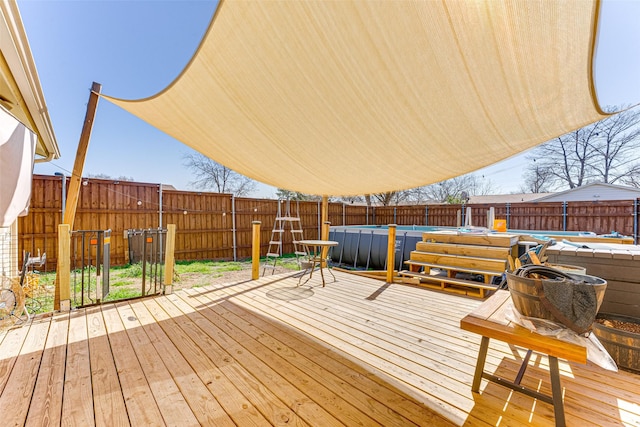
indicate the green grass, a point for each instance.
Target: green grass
{"x":121,"y":282}
{"x":131,"y":270}
{"x":125,"y":283}
{"x":124,"y":293}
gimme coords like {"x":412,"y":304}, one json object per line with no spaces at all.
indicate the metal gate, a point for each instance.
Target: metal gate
{"x":91,"y":251}
{"x":147,"y":246}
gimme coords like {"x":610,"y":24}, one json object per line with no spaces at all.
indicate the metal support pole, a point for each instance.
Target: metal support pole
{"x":355,"y":258}
{"x":426,"y":214}
{"x":366,"y":267}
{"x":64,"y":192}
{"x":160,"y":237}
{"x":319,"y":223}
{"x":395,"y":212}
{"x":556,"y":392}
{"x":367,"y":215}
{"x":564,"y":216}
{"x":508,"y":206}
{"x":233,"y":226}
{"x":160,"y":208}
{"x":635,"y":221}
{"x":144,"y":262}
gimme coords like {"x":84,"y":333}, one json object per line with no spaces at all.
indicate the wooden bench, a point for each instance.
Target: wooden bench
{"x":489,"y":321}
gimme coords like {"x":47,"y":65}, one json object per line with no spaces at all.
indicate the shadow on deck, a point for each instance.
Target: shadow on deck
{"x":265,"y":352}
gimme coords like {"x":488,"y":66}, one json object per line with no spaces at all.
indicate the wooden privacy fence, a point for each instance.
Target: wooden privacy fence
{"x":218,"y":226}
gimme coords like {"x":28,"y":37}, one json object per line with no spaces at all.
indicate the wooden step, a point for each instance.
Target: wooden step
{"x":274,"y":242}
{"x":462,"y":262}
{"x":465,"y":250}
{"x":484,"y":239}
{"x":430,"y":265}
{"x":287,"y":218}
{"x":272,"y":255}
{"x":300,"y":253}
{"x":277,"y":231}
{"x":296,"y":231}
{"x":450,"y":284}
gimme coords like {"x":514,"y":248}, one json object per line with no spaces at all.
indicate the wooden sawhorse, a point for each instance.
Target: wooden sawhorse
{"x":489,"y":321}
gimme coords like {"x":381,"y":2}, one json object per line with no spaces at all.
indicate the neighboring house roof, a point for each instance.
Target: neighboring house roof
{"x":20,"y":90}
{"x":506,"y":198}
{"x":594,"y":192}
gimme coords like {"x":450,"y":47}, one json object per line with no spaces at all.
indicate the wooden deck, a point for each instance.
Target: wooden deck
{"x":357,"y":352}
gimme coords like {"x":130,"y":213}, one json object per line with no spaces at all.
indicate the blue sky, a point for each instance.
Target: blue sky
{"x":136,"y":48}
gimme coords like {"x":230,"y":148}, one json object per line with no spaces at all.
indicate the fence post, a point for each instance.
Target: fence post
{"x":233,"y":225}
{"x":508,"y":215}
{"x":426,"y":214}
{"x":255,"y":250}
{"x":319,"y":221}
{"x":169,"y":258}
{"x":62,"y":299}
{"x":635,"y":222}
{"x":344,"y":213}
{"x":391,"y":252}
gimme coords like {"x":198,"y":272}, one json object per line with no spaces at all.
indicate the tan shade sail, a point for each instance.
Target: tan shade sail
{"x":356,"y":97}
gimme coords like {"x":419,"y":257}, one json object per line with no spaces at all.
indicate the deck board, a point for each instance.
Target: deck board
{"x":265,"y":352}
{"x":170,"y":401}
{"x":47,"y":408}
{"x":203,"y":404}
{"x":138,"y":397}
{"x":77,"y":408}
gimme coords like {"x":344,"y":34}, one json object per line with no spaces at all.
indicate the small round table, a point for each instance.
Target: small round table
{"x":314,"y":249}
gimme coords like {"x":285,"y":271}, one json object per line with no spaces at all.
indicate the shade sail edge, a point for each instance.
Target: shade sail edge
{"x":354,"y":98}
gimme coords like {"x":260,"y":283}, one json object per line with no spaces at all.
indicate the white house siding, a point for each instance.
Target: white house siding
{"x":593,"y":193}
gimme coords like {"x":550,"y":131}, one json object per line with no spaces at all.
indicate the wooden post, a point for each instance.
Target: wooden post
{"x":324,"y":217}
{"x":62,"y":300}
{"x":255,"y":250}
{"x":81,"y":154}
{"x":169,"y":258}
{"x":391,"y":252}
{"x":325,"y":236}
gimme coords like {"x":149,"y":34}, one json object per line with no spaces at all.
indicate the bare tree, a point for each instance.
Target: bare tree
{"x":537,"y":179}
{"x":616,"y":148}
{"x":351,"y":199}
{"x":105,"y":176}
{"x":285,"y":194}
{"x":390,"y":198}
{"x":567,"y":157}
{"x":451,"y":190}
{"x":212,"y":175}
{"x":604,"y":151}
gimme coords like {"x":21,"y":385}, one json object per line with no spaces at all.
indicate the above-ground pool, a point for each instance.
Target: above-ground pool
{"x":365,"y":246}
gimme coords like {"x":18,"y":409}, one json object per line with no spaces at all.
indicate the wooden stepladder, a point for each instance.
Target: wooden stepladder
{"x":284,"y":222}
